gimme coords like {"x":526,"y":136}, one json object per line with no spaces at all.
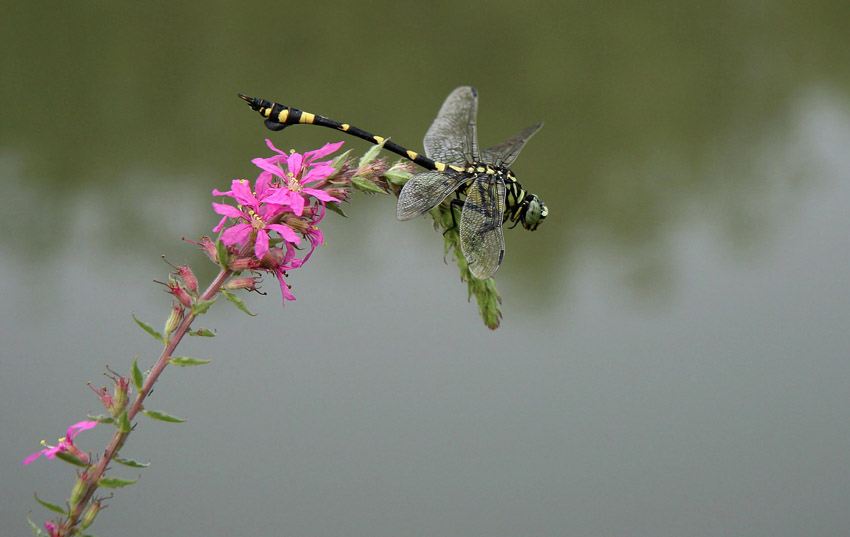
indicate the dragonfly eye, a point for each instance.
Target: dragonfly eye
{"x":535,"y":212}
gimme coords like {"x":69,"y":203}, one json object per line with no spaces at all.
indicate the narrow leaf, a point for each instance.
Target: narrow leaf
{"x":203,"y":332}
{"x":123,"y":424}
{"x":138,"y":379}
{"x":335,"y":207}
{"x":115,"y":483}
{"x":339,"y":160}
{"x":370,"y":155}
{"x":237,"y":302}
{"x":52,"y":506}
{"x":149,"y":329}
{"x":131,"y":463}
{"x":183,"y":361}
{"x":101,"y":418}
{"x":162,"y":416}
{"x":397,"y":176}
{"x":201,"y":306}
{"x":35,"y":530}
{"x":221,"y":252}
{"x":366,"y":186}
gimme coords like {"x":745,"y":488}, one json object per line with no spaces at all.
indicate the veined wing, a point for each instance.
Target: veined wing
{"x":452,"y":138}
{"x":426,"y":190}
{"x":481,"y":239}
{"x":506,"y":152}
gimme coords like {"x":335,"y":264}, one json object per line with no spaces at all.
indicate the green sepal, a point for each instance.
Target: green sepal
{"x":101,"y":418}
{"x":35,"y":529}
{"x":371,"y":155}
{"x":67,"y":457}
{"x":199,"y":307}
{"x":203,"y":332}
{"x":336,"y":207}
{"x":52,"y":506}
{"x":162,"y":416}
{"x":136,"y":374}
{"x":238,"y":302}
{"x":221,"y":253}
{"x":366,"y":186}
{"x":184,"y":361}
{"x":115,"y":483}
{"x":397,"y":176}
{"x":130,"y":462}
{"x":124,"y":425}
{"x":149,"y":329}
{"x":340,"y":160}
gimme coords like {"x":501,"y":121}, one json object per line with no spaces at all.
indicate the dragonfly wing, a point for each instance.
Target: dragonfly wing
{"x":506,"y":152}
{"x":481,"y":239}
{"x":426,"y":190}
{"x":452,"y":138}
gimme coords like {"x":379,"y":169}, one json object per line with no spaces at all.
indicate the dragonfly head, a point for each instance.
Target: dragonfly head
{"x":533,"y":212}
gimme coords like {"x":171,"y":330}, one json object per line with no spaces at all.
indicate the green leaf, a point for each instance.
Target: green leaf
{"x":162,"y":416}
{"x":366,"y":186}
{"x":336,"y":207}
{"x":397,"y":176}
{"x":52,"y":506}
{"x":130,"y":462}
{"x":124,"y":425}
{"x":201,"y":306}
{"x":101,"y":418}
{"x":237,"y":302}
{"x":338,"y":161}
{"x":35,"y":530}
{"x":149,"y":329}
{"x":203,"y":332}
{"x":70,"y":459}
{"x":115,"y":483}
{"x":136,"y":373}
{"x":370,"y":155}
{"x":183,"y":361}
{"x":221,"y":253}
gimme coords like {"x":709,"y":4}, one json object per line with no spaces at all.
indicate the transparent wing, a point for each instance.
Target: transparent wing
{"x":481,"y":239}
{"x":426,"y":190}
{"x":506,"y":152}
{"x":452,"y":138}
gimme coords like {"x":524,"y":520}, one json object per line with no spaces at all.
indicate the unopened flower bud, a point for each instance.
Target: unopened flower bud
{"x":242,"y":263}
{"x":174,"y":319}
{"x":91,"y":512}
{"x":241,"y":283}
{"x":122,"y":396}
{"x":79,"y":488}
{"x":188,"y":278}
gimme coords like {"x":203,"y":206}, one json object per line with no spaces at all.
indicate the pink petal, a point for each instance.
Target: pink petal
{"x":296,"y":202}
{"x":294,"y":163}
{"x":228,"y":211}
{"x":318,"y":173}
{"x":261,"y":246}
{"x":286,"y":232}
{"x":237,"y":234}
{"x":310,"y":156}
{"x":79,"y":427}
{"x":243,"y":194}
{"x":270,"y":167}
{"x":34,"y":456}
{"x":273,"y":148}
{"x":319,"y":194}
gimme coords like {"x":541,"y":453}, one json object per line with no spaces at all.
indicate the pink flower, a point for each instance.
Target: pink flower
{"x":258,"y":207}
{"x":65,"y":444}
{"x":300,"y":170}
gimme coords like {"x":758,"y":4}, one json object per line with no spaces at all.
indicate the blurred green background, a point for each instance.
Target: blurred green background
{"x":673,"y":355}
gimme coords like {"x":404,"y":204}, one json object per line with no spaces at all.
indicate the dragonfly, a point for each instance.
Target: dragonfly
{"x":486,"y":190}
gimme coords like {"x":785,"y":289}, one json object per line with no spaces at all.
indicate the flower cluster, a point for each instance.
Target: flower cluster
{"x":283,"y":201}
